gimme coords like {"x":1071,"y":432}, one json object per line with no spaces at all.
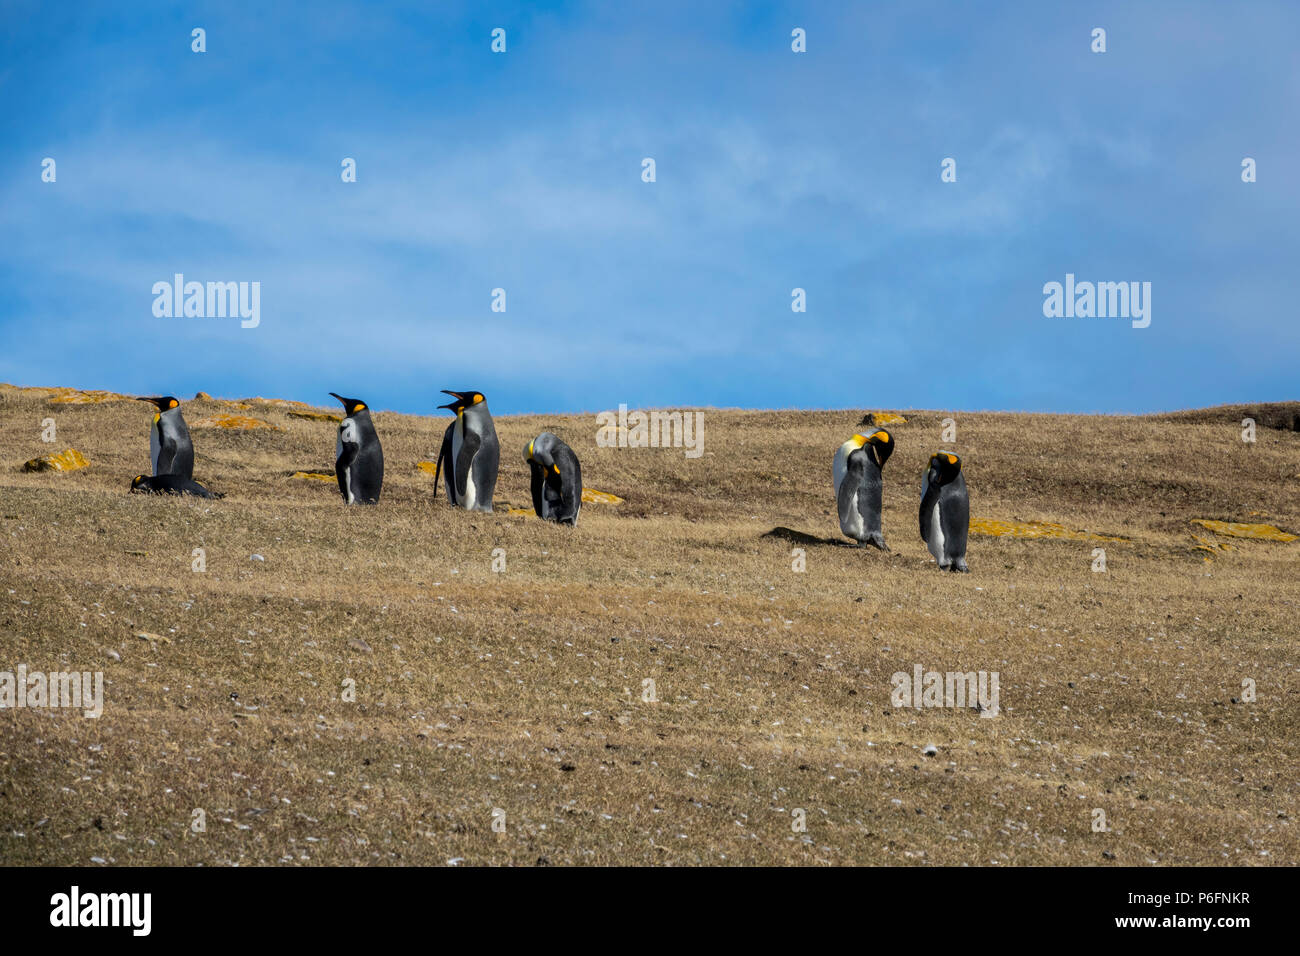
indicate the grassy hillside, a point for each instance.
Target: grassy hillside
{"x":523,"y":690}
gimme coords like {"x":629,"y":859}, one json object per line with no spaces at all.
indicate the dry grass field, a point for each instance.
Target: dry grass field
{"x":522,"y":690}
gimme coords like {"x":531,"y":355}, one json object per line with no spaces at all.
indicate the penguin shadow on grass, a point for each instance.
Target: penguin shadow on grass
{"x":781,"y":533}
{"x":802,"y":537}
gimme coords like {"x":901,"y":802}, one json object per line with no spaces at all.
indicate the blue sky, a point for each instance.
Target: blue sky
{"x":775,"y":170}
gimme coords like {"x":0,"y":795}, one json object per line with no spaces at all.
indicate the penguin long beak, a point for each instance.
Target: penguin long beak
{"x":156,"y":401}
{"x":458,"y":403}
{"x":350,"y":405}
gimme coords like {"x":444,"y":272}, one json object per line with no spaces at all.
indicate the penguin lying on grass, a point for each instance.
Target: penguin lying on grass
{"x":358,"y":457}
{"x":170,"y":485}
{"x":470,"y":452}
{"x":170,"y":450}
{"x":557,"y":479}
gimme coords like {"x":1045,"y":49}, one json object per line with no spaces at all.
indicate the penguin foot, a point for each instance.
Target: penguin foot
{"x":959,"y":567}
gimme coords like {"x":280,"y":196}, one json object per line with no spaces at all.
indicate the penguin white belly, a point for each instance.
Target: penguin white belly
{"x":838,"y":469}
{"x":338,"y":453}
{"x":855,"y":527}
{"x":155,"y":446}
{"x":935,"y":540}
{"x":471,"y":493}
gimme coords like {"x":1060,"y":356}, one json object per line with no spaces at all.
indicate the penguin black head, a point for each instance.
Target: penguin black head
{"x":944,"y":467}
{"x":162,"y":402}
{"x":138,"y":483}
{"x":879,"y":445}
{"x":463,"y":400}
{"x":350,"y":405}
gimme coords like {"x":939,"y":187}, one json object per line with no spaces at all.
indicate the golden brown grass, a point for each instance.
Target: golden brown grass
{"x":522,"y":690}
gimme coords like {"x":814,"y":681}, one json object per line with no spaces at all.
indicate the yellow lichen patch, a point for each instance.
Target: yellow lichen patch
{"x":34,"y":391}
{"x":277,"y":402}
{"x":69,"y":460}
{"x":887,"y":418}
{"x":592,"y":496}
{"x":233,"y":423}
{"x":317,"y":416}
{"x":1234,"y":529}
{"x":1032,"y":529}
{"x":428,"y":467}
{"x":75,"y":396}
{"x":519,"y":511}
{"x":1210,"y":545}
{"x":313,"y":475}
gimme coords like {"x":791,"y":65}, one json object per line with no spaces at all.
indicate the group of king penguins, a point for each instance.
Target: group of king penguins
{"x":858,"y":469}
{"x":470,"y":453}
{"x":471,"y":456}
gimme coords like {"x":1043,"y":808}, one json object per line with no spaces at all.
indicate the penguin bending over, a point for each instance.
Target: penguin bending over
{"x":945,"y":512}
{"x":170,"y":450}
{"x":859,"y":481}
{"x":358,"y":457}
{"x":170,"y":485}
{"x":557,"y":479}
{"x":470,"y":452}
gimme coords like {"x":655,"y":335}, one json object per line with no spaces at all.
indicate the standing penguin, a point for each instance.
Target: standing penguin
{"x":945,"y":512}
{"x":170,"y":450}
{"x":358,"y":458}
{"x":471,"y":453}
{"x":858,"y":468}
{"x":557,"y":479}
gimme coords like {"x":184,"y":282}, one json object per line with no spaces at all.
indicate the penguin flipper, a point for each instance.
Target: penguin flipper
{"x":347,"y":455}
{"x":538,"y":485}
{"x":929,"y":498}
{"x":571,"y":473}
{"x":442,"y":455}
{"x":469,"y":445}
{"x":571,"y":484}
{"x":192,"y":487}
{"x":954,"y":519}
{"x":869,"y":499}
{"x":166,"y":456}
{"x":183,"y":450}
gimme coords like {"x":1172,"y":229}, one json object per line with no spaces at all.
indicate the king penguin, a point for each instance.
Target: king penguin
{"x":945,"y":512}
{"x":557,"y":479}
{"x":470,"y":452}
{"x":859,"y":481}
{"x":170,"y":449}
{"x":170,"y":485}
{"x":358,"y":457}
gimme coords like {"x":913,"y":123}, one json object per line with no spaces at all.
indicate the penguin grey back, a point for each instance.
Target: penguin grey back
{"x":556,"y":479}
{"x":358,"y":456}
